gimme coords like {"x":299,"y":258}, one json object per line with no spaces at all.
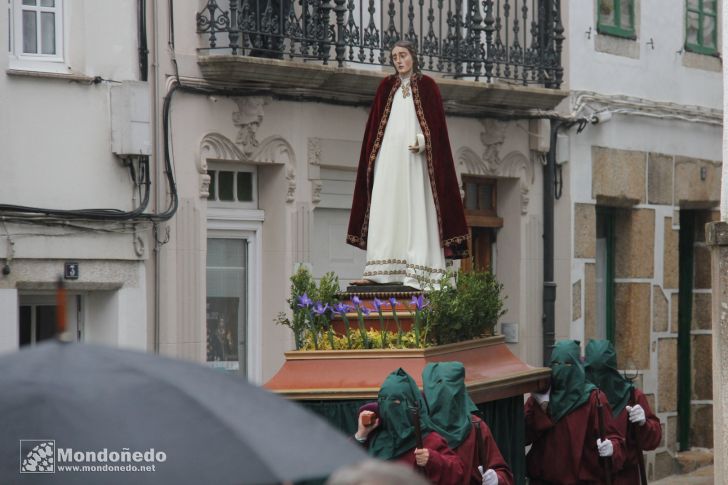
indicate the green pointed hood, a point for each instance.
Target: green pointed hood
{"x":448,"y":400}
{"x":569,"y":386}
{"x":396,"y":433}
{"x":601,"y":369}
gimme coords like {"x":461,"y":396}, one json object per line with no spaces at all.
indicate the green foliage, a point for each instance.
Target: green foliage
{"x":302,"y":282}
{"x":465,"y":306}
{"x":466,"y":311}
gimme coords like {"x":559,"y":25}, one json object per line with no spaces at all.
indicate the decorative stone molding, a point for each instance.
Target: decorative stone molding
{"x":316,"y":187}
{"x":248,"y":119}
{"x":274,"y":150}
{"x":492,"y":137}
{"x":215,"y":146}
{"x":314,"y":169}
{"x":514,"y":165}
{"x":314,"y":151}
{"x":291,"y":178}
{"x":330,"y":153}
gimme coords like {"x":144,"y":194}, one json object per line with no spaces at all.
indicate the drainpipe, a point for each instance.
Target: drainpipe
{"x":156,"y":170}
{"x":549,"y":285}
{"x":143,"y":50}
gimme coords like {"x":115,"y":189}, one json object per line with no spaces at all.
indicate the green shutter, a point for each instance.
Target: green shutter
{"x":616,"y":17}
{"x":685,"y":312}
{"x":701,"y":26}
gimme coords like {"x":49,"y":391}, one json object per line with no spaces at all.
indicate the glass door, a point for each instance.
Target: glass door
{"x":227,"y":303}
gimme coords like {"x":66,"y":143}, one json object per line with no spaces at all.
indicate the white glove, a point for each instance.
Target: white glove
{"x":489,"y":477}
{"x":542,"y":397}
{"x":605,"y":448}
{"x":636,"y":414}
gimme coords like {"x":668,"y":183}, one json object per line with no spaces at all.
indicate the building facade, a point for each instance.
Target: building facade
{"x":73,"y":173}
{"x":644,"y":179}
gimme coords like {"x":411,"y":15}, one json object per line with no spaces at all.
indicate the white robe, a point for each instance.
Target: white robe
{"x":403,"y":243}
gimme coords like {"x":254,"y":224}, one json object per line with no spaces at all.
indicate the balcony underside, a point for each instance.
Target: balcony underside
{"x":325,"y":83}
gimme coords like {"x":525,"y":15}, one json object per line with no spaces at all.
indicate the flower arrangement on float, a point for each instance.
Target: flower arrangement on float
{"x":464,"y":306}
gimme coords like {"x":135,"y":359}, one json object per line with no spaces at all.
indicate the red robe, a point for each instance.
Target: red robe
{"x":646,"y":437}
{"x":565,"y":452}
{"x":443,"y":467}
{"x":468,"y":453}
{"x":453,"y":229}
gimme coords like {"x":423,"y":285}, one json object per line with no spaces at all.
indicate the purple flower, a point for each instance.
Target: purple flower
{"x":365,"y":310}
{"x":320,"y":309}
{"x":341,"y":308}
{"x":419,"y":302}
{"x":356,"y":301}
{"x":393,"y":302}
{"x":304,"y":301}
{"x":378,"y":304}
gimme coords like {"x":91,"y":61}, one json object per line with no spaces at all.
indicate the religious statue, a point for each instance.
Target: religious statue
{"x":407,"y":212}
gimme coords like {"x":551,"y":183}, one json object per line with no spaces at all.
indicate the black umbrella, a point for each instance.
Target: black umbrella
{"x":131,"y":417}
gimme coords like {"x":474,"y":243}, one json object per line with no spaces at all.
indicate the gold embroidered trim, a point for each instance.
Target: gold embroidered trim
{"x":375,"y":152}
{"x":456,"y":240}
{"x":387,"y":261}
{"x":425,"y":268}
{"x":356,"y":240}
{"x":428,"y":146}
{"x":400,"y":272}
{"x":407,"y":265}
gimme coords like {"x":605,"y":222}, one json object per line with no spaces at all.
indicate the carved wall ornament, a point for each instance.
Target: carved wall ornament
{"x":248,"y":119}
{"x":314,"y":151}
{"x":204,"y":185}
{"x":514,"y":165}
{"x":492,"y":137}
{"x":291,"y":178}
{"x":316,"y":187}
{"x":274,"y":150}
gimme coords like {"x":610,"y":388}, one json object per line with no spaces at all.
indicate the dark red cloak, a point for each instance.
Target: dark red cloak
{"x":443,"y":467}
{"x":453,"y":229}
{"x":565,"y":452}
{"x":470,"y":456}
{"x":638,"y":438}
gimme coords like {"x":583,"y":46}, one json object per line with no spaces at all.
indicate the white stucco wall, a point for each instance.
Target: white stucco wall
{"x":658,"y":74}
{"x":55,"y":152}
{"x":8,"y":320}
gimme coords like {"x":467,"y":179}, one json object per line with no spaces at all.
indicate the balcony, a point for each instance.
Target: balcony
{"x":492,"y":56}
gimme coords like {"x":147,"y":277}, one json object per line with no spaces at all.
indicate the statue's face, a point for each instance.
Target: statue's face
{"x":402,"y":60}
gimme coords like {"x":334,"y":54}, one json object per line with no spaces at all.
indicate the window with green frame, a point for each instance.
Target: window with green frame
{"x":701,"y":26}
{"x":616,"y":17}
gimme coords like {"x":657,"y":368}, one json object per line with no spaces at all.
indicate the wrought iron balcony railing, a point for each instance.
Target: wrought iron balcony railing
{"x":510,"y":40}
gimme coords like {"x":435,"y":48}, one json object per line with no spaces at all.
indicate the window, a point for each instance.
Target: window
{"x":35,"y":33}
{"x":616,"y":17}
{"x":481,"y":215}
{"x":605,"y":297}
{"x":37,"y":323}
{"x":234,"y":186}
{"x":701,"y":26}
{"x":38,"y":318}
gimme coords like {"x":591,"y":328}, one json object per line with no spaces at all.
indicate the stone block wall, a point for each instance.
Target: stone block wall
{"x":647,"y":191}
